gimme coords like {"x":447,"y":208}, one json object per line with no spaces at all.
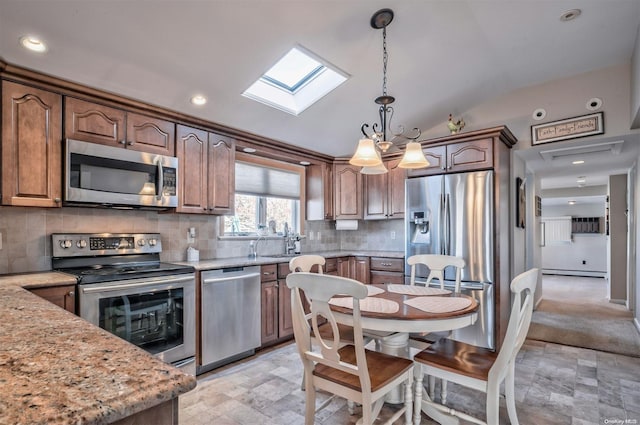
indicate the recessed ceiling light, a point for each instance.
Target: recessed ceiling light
{"x":580,"y":161}
{"x":33,"y":44}
{"x":572,"y":202}
{"x":570,"y":15}
{"x":539,"y":114}
{"x":248,"y":150}
{"x":305,"y":163}
{"x":594,"y":104}
{"x":198,"y":100}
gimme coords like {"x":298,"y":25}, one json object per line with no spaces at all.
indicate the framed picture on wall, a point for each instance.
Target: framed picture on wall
{"x":520,"y":203}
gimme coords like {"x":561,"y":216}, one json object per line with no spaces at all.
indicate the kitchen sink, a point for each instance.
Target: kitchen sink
{"x":281,"y":255}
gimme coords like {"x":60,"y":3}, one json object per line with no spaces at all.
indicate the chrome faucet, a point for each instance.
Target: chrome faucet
{"x":253,"y":248}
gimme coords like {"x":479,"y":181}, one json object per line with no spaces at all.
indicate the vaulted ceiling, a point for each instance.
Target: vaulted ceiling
{"x":444,"y":56}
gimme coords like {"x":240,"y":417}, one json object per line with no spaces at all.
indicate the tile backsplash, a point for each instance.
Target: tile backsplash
{"x":26,"y":241}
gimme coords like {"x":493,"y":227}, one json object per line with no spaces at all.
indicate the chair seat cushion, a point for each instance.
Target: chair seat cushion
{"x":383,"y":368}
{"x":458,"y":357}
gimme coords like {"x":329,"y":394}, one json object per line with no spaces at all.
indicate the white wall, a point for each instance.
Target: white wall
{"x":618,"y":238}
{"x":635,"y":83}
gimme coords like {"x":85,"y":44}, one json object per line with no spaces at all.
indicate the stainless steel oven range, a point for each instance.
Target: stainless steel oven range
{"x":125,"y":289}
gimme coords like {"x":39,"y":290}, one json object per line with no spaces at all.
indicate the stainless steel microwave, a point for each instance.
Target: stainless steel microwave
{"x":117,"y":177}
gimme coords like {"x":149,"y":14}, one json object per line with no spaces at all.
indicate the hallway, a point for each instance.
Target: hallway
{"x":575,"y":311}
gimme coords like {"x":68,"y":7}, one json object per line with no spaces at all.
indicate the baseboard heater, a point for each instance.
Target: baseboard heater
{"x":585,"y":273}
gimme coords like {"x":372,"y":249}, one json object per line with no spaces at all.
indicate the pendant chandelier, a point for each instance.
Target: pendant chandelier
{"x":368,"y":154}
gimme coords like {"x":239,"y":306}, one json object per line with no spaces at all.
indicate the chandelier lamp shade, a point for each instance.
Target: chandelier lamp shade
{"x":368,"y":154}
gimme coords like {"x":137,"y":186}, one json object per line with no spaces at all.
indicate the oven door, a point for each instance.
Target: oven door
{"x":156,"y":314}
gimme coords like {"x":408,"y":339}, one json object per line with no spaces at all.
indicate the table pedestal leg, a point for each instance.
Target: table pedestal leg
{"x":396,"y":344}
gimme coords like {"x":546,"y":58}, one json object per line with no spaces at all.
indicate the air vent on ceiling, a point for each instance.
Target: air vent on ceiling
{"x":612,"y":148}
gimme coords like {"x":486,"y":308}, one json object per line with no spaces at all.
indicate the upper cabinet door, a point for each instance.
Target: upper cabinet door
{"x":348,"y":192}
{"x":31,"y":146}
{"x":94,"y":123}
{"x":474,"y":155}
{"x":192,"y":145}
{"x":395,"y":177}
{"x":221,"y":174}
{"x":149,"y":134}
{"x":437,"y":157}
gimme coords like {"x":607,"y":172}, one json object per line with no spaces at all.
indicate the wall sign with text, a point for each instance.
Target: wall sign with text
{"x":570,"y":128}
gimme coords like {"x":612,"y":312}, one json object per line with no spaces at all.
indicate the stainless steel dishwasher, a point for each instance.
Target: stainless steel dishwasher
{"x":230,"y":311}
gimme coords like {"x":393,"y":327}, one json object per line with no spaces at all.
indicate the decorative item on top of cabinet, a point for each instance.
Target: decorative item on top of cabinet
{"x":386,"y":270}
{"x":319,"y":191}
{"x":207,"y":172}
{"x":31,"y":147}
{"x":456,"y":157}
{"x":63,"y":296}
{"x":91,"y":122}
{"x":384,"y":193}
{"x":347,"y":191}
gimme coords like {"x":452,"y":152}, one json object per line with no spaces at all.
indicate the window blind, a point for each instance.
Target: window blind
{"x":257,"y":180}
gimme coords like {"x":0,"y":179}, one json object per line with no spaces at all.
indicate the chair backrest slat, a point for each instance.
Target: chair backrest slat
{"x":319,"y":289}
{"x":437,"y":265}
{"x":304,"y":263}
{"x":523,"y":288}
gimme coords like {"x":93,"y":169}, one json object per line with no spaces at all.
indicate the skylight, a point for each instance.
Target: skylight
{"x":296,"y":81}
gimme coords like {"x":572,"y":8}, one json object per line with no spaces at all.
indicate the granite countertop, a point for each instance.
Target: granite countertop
{"x":57,"y":368}
{"x":219,"y":263}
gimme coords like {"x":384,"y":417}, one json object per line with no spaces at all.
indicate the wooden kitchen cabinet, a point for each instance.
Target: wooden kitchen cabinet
{"x":354,"y":268}
{"x":457,"y":157}
{"x":63,"y":296}
{"x":319,"y":192}
{"x":360,"y":269}
{"x":269,"y":304}
{"x":277,"y":320}
{"x":31,"y":146}
{"x":347,"y":191}
{"x":384,"y":193}
{"x":206,"y":173}
{"x":95,"y":123}
{"x":386,"y":270}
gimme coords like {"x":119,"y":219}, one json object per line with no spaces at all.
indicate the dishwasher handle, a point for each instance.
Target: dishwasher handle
{"x":229,"y":278}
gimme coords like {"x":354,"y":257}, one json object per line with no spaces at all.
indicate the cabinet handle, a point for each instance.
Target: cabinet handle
{"x":130,"y":143}
{"x":71,"y":294}
{"x":56,"y":200}
{"x":123,"y":142}
{"x":268,"y":273}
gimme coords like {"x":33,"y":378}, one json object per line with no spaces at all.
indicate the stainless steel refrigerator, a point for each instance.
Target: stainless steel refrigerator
{"x":453,"y":214}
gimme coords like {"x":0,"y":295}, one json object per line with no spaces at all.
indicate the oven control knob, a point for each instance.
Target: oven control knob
{"x":142,"y":242}
{"x":65,"y":243}
{"x":152,"y":242}
{"x":81,"y":243}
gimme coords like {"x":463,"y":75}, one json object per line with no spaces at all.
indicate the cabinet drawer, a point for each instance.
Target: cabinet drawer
{"x":387,"y":264}
{"x":379,"y":278}
{"x":268,"y":272}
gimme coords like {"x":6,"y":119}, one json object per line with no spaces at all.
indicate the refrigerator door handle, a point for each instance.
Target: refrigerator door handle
{"x":441,"y":229}
{"x":447,"y":246}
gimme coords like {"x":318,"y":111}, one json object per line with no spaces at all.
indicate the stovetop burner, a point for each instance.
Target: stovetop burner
{"x":104,"y":257}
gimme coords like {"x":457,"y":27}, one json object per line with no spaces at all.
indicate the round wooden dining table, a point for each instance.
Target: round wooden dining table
{"x":392,"y":329}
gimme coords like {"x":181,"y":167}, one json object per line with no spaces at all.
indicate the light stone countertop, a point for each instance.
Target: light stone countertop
{"x":219,"y":263}
{"x":56,"y":368}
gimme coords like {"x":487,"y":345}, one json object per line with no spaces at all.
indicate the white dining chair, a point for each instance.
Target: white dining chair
{"x":478,"y":367}
{"x":436,"y":265}
{"x":350,"y":371}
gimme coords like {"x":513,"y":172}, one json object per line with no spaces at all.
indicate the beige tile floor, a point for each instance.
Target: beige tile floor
{"x":555,"y":384}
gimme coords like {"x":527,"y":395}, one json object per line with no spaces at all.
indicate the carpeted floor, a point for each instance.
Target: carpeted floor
{"x":574,"y":311}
